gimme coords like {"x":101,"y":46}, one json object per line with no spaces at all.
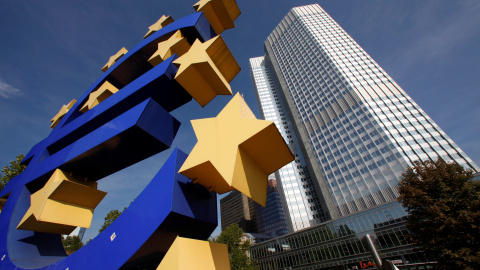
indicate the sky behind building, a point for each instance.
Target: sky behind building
{"x":52,"y":51}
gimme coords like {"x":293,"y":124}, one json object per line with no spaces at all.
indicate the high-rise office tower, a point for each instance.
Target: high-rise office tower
{"x":271,"y":219}
{"x":296,"y":186}
{"x":352,"y":129}
{"x":81,"y":233}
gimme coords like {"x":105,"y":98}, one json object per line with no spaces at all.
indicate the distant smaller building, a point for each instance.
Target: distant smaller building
{"x":271,"y":219}
{"x":81,"y":233}
{"x":255,"y":238}
{"x":476,"y":176}
{"x":238,"y":208}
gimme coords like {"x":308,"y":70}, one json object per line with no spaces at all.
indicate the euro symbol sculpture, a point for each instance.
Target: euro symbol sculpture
{"x":124,"y":118}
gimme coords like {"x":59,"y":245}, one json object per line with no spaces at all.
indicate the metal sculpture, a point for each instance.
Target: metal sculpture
{"x":124,"y":118}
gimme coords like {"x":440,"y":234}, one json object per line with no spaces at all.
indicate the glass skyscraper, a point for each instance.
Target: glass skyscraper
{"x":296,"y":186}
{"x":271,"y":219}
{"x":352,"y":129}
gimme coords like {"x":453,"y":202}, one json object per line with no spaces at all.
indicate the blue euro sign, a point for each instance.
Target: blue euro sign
{"x":127,"y":127}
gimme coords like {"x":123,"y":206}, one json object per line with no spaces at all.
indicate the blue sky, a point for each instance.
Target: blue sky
{"x":51,"y":51}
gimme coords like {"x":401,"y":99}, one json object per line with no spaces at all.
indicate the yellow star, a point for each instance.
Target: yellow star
{"x":236,"y":151}
{"x":95,"y":97}
{"x":202,"y":255}
{"x":162,"y":22}
{"x":56,"y":119}
{"x":175,"y":44}
{"x":206,"y":70}
{"x":220,"y":13}
{"x":64,"y":203}
{"x":222,"y":57}
{"x":114,"y":58}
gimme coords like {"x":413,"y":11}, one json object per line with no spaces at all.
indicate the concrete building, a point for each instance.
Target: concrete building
{"x":238,"y":208}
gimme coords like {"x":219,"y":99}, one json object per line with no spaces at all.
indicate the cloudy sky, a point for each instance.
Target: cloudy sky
{"x":51,"y":51}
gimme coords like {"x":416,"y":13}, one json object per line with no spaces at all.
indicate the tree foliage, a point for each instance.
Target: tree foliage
{"x":444,"y":212}
{"x":9,"y":172}
{"x":71,"y":244}
{"x":237,"y":249}
{"x":110,"y":218}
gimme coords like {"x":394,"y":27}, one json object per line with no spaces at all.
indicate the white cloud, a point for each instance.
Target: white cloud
{"x":7,"y":91}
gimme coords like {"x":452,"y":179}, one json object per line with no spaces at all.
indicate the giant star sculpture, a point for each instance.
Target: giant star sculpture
{"x":64,"y":203}
{"x":103,"y":92}
{"x":202,"y":255}
{"x":114,"y":58}
{"x":65,"y":108}
{"x":220,"y":13}
{"x":162,"y":22}
{"x":236,"y":151}
{"x":206,"y":70}
{"x":176,"y":44}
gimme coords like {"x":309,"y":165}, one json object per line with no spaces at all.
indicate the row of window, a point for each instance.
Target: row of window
{"x":299,"y":199}
{"x":340,"y":238}
{"x":305,"y":93}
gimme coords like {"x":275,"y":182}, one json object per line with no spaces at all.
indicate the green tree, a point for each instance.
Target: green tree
{"x":444,"y":212}
{"x":71,"y":244}
{"x":237,"y":249}
{"x":9,"y":172}
{"x":110,"y":218}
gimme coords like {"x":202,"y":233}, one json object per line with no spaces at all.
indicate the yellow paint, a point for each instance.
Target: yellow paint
{"x":162,"y":22}
{"x":114,"y":58}
{"x":236,"y":151}
{"x":64,"y":203}
{"x":187,"y":254}
{"x":177,"y":43}
{"x":221,"y":56}
{"x":206,"y":70}
{"x":56,"y":119}
{"x":95,"y":97}
{"x":220,"y":13}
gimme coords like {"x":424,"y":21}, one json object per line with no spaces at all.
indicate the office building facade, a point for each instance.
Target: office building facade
{"x":271,"y":218}
{"x":237,"y":208}
{"x":356,"y":129}
{"x":339,"y":244}
{"x":299,"y":199}
{"x":353,"y":131}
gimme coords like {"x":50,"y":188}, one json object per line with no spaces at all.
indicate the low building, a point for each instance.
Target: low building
{"x":255,"y":238}
{"x":476,"y":176}
{"x":339,"y":244}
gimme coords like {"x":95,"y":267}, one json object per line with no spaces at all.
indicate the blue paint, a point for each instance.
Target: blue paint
{"x":170,"y":205}
{"x":126,"y":128}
